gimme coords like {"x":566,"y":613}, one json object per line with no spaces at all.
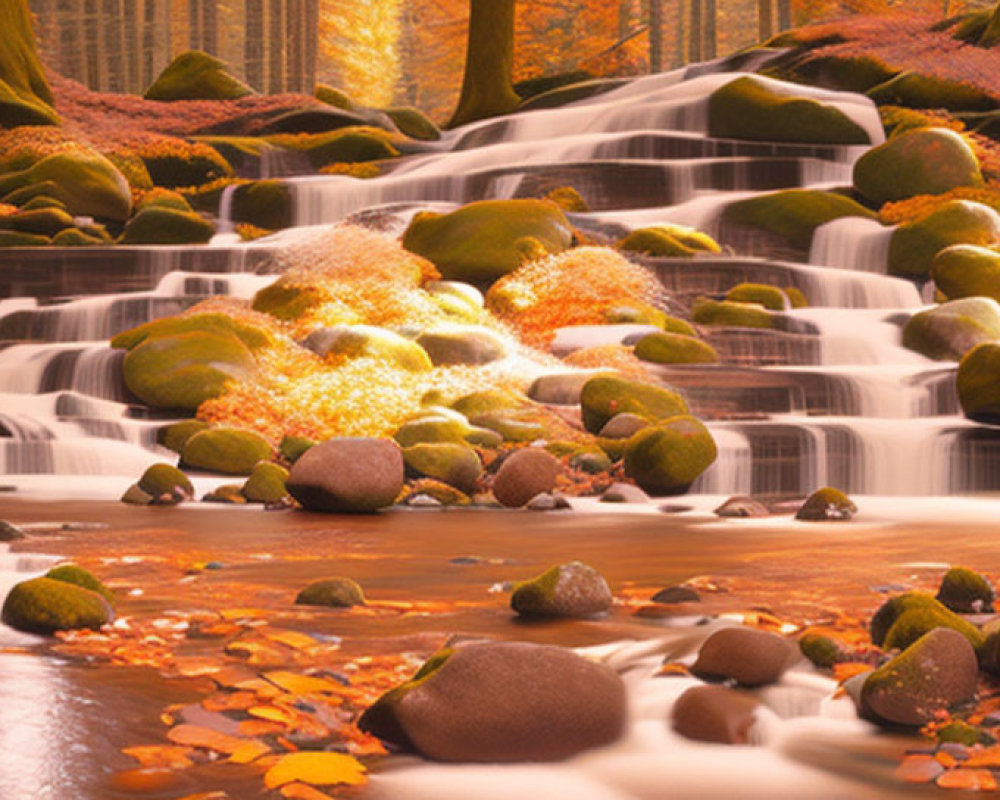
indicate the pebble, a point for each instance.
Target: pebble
{"x":715,"y":714}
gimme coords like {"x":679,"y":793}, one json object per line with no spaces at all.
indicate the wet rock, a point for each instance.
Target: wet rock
{"x":917,"y":90}
{"x":676,"y":594}
{"x":462,"y":345}
{"x":914,"y":245}
{"x":430,"y":493}
{"x":827,"y":504}
{"x":966,"y":270}
{"x":949,"y":331}
{"x":978,"y":383}
{"x":732,"y":315}
{"x":715,"y":714}
{"x":135,"y":496}
{"x":592,"y":461}
{"x":512,"y":425}
{"x":348,"y":474}
{"x":935,"y":672}
{"x":357,"y":341}
{"x":560,"y":389}
{"x":624,"y":493}
{"x":742,"y":506}
{"x":292,"y":447}
{"x":566,"y":590}
{"x":821,"y":650}
{"x":44,"y":605}
{"x":157,"y":225}
{"x":195,"y":75}
{"x":903,"y":619}
{"x":965,"y":591}
{"x":771,"y":297}
{"x":165,"y":484}
{"x":229,"y":451}
{"x":668,"y":241}
{"x":667,"y":457}
{"x":284,"y":299}
{"x":623,"y":426}
{"x":332,"y":592}
{"x":269,"y":204}
{"x":78,"y":576}
{"x":449,"y":462}
{"x":502,"y":702}
{"x":175,"y":435}
{"x":606,"y":396}
{"x":674,"y":348}
{"x":488,"y":401}
{"x":229,"y":493}
{"x":444,"y":425}
{"x":748,"y":656}
{"x":964,"y":735}
{"x":9,"y":532}
{"x":266,"y":484}
{"x":524,"y":474}
{"x":414,"y":123}
{"x":548,"y":502}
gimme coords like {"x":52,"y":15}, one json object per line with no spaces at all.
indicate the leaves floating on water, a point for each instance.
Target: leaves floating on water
{"x":198,"y":736}
{"x":169,"y":756}
{"x":977,"y":780}
{"x":316,"y":769}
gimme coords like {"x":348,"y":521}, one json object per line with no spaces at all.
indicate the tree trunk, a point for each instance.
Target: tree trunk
{"x":253,"y":43}
{"x":92,"y":46}
{"x":765,"y":19}
{"x":784,"y":15}
{"x":149,"y":42}
{"x":294,"y":55}
{"x":310,"y":46}
{"x":114,"y":56}
{"x":210,"y":26}
{"x":133,"y":79}
{"x":695,"y":34}
{"x":680,"y":39}
{"x":489,"y":58}
{"x":710,"y":39}
{"x":655,"y":35}
{"x":194,"y":25}
{"x":275,"y":46}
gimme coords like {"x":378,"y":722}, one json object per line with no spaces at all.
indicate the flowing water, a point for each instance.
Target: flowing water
{"x":829,"y":398}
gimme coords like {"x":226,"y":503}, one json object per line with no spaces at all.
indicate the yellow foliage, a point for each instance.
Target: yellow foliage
{"x":919,"y":206}
{"x":316,"y":769}
{"x":361,"y":41}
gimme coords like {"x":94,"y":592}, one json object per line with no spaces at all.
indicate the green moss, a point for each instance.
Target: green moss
{"x":25,"y":97}
{"x":287,"y":301}
{"x":512,"y":425}
{"x":41,"y":222}
{"x":343,"y":146}
{"x":962,"y":732}
{"x":903,"y":619}
{"x":163,"y":198}
{"x":666,"y":458}
{"x":536,"y":592}
{"x":450,"y":462}
{"x":478,"y":243}
{"x":730,"y":314}
{"x":827,"y":504}
{"x":266,"y":483}
{"x":431,"y":429}
{"x":250,"y":335}
{"x":965,"y":270}
{"x":78,"y":576}
{"x":752,"y":108}
{"x":568,"y":199}
{"x":437,"y":490}
{"x":74,"y":237}
{"x":822,"y":651}
{"x":675,"y":348}
{"x":771,"y":297}
{"x":978,"y":382}
{"x":487,"y":400}
{"x":15,"y":239}
{"x":175,"y":435}
{"x":186,"y":165}
{"x":195,"y":75}
{"x":333,"y":593}
{"x":40,"y":201}
{"x":915,"y":245}
{"x":414,"y":123}
{"x":369,"y":341}
{"x":641,"y":314}
{"x":293,"y":447}
{"x":794,"y":214}
{"x":229,"y":494}
{"x":266,"y":204}
{"x":226,"y":450}
{"x":25,"y":194}
{"x":669,"y":241}
{"x":238,"y":151}
{"x":159,"y":225}
{"x":334,"y":97}
{"x":949,"y":331}
{"x":164,"y":480}
{"x":965,"y":591}
{"x":796,"y":297}
{"x":44,"y":606}
{"x":913,"y":90}
{"x":604,"y":396}
{"x":845,"y":73}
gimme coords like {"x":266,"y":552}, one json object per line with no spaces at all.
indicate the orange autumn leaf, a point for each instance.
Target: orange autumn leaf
{"x":301,"y":791}
{"x":237,"y":678}
{"x":229,"y":701}
{"x":197,"y":736}
{"x":273,"y":714}
{"x":230,"y":614}
{"x":848,"y":669}
{"x":294,"y":683}
{"x":260,"y":727}
{"x":206,"y":796}
{"x":316,"y":769}
{"x":977,"y":780}
{"x":249,"y":752}
{"x":195,"y":666}
{"x":673,"y":669}
{"x":294,"y":639}
{"x":987,"y":757}
{"x":156,"y":755}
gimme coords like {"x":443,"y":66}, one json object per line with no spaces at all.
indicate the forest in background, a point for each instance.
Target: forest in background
{"x":411,"y":52}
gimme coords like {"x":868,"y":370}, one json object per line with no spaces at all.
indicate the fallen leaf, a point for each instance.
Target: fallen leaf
{"x":248,"y":752}
{"x":273,"y":714}
{"x":987,"y":757}
{"x":229,"y":701}
{"x":294,"y":639}
{"x":197,"y":736}
{"x":919,"y":769}
{"x":316,"y":769}
{"x":300,"y":791}
{"x":230,"y":614}
{"x":260,"y":727}
{"x":158,"y":755}
{"x":848,"y":669}
{"x":977,"y":780}
{"x":673,"y":669}
{"x":302,"y":684}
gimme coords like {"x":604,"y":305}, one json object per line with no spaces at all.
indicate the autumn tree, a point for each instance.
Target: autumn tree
{"x":487,"y":90}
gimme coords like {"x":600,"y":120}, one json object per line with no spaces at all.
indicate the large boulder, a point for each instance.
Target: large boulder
{"x":606,"y":396}
{"x":923,"y":161}
{"x":267,"y":483}
{"x":914,"y":90}
{"x":483,"y":241}
{"x":449,"y":462}
{"x":195,"y":75}
{"x":666,"y":458}
{"x":357,"y":475}
{"x":949,"y":331}
{"x":249,"y":334}
{"x":937,"y":671}
{"x":353,"y":145}
{"x":413,"y":123}
{"x":502,"y":702}
{"x":369,"y":341}
{"x":566,"y":590}
{"x":978,"y":383}
{"x":78,"y":576}
{"x":748,"y":656}
{"x":47,"y":605}
{"x":25,"y":97}
{"x":226,"y":450}
{"x":524,"y":474}
{"x":160,"y":225}
{"x":965,"y":591}
{"x":674,"y":348}
{"x":966,"y":270}
{"x":266,"y":204}
{"x":715,"y":714}
{"x":760,"y":109}
{"x":914,"y":245}
{"x":903,"y":619}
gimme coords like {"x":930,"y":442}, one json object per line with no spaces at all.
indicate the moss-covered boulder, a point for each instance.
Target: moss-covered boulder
{"x":668,"y":240}
{"x":667,"y":457}
{"x":252,"y":336}
{"x":644,"y":314}
{"x":821,"y":650}
{"x":17,"y":239}
{"x":439,"y":427}
{"x":450,"y":462}
{"x":227,"y":494}
{"x":566,"y":590}
{"x":161,"y":225}
{"x":45,"y":605}
{"x":465,"y":344}
{"x":74,"y":237}
{"x":568,"y":199}
{"x":978,"y":383}
{"x":266,"y":484}
{"x":166,"y":484}
{"x":175,"y":435}
{"x":430,"y":492}
{"x":673,"y":348}
{"x":414,"y":123}
{"x":903,"y":619}
{"x":771,"y":297}
{"x":924,"y":161}
{"x":731,"y":314}
{"x":513,"y":425}
{"x":163,"y":198}
{"x":914,"y":245}
{"x":352,"y":145}
{"x":483,"y":241}
{"x":42,"y":221}
{"x":86,"y":182}
{"x":41,"y":201}
{"x":78,"y":576}
{"x":369,"y":341}
{"x":335,"y":97}
{"x":333,"y":593}
{"x":292,"y":447}
{"x":915,"y":90}
{"x":827,"y":505}
{"x":966,"y":592}
{"x":25,"y":97}
{"x":966,"y":270}
{"x":793,"y":214}
{"x":949,"y":331}
{"x":488,"y":400}
{"x":229,"y":451}
{"x":195,"y":75}
{"x":183,"y":371}
{"x":605,"y":396}
{"x":266,"y":204}
{"x":763,"y":110}
{"x":286,"y":300}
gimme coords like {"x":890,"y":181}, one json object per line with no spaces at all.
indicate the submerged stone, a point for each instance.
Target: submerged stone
{"x":332,"y":592}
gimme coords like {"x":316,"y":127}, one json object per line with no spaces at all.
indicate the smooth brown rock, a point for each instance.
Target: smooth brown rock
{"x":746,"y":655}
{"x":524,"y":474}
{"x":742,"y":506}
{"x":566,"y":590}
{"x":349,"y":475}
{"x":714,"y":714}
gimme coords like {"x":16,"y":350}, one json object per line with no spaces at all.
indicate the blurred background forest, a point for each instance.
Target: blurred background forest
{"x":411,"y":52}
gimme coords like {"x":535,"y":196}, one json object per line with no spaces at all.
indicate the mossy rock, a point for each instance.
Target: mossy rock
{"x":439,"y":491}
{"x":478,"y":243}
{"x":239,"y":151}
{"x":16,"y":239}
{"x":266,"y":483}
{"x":159,"y":225}
{"x":468,"y":294}
{"x":229,"y":451}
{"x":163,"y":198}
{"x":668,"y":241}
{"x":963,"y":733}
{"x":844,"y":73}
{"x":293,"y":447}
{"x":183,"y":371}
{"x":761,"y":110}
{"x":39,"y":201}
{"x":413,"y":123}
{"x":914,"y":245}
{"x":41,"y":222}
{"x":574,"y":589}
{"x":44,"y":606}
{"x":25,"y":194}
{"x":333,"y":593}
{"x":965,"y":592}
{"x":966,"y":270}
{"x":913,"y":90}
{"x":925,"y":161}
{"x":449,"y":462}
{"x":250,"y":335}
{"x":487,"y":400}
{"x":674,"y":348}
{"x":438,"y":428}
{"x":74,"y":237}
{"x":821,"y":650}
{"x":730,"y":314}
{"x":990,"y":37}
{"x":512,"y":425}
{"x":166,"y":481}
{"x":25,"y":97}
{"x":195,"y":75}
{"x":796,"y":297}
{"x":352,"y":145}
{"x":228,"y":494}
{"x":267,"y":204}
{"x":793,"y":214}
{"x":827,"y":505}
{"x":78,"y":576}
{"x":771,"y":297}
{"x":287,"y":301}
{"x":332,"y":96}
{"x":604,"y":396}
{"x":642,"y":314}
{"x":466,"y":344}
{"x":85,"y":181}
{"x":903,"y":619}
{"x":369,"y":341}
{"x":563,"y":95}
{"x":175,"y":435}
{"x":666,"y":458}
{"x":978,"y":383}
{"x":948,"y":331}
{"x":186,"y":166}
{"x":568,"y":199}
